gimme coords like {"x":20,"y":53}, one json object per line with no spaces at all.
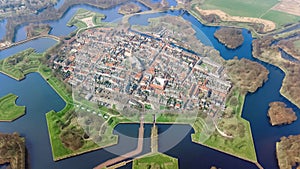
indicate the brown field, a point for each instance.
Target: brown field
{"x":288,"y":6}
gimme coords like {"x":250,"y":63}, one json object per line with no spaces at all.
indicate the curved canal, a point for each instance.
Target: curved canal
{"x":39,"y":98}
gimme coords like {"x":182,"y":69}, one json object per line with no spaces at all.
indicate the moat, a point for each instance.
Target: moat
{"x":40,"y":98}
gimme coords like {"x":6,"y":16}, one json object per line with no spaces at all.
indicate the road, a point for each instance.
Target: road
{"x":30,"y":39}
{"x":137,"y":151}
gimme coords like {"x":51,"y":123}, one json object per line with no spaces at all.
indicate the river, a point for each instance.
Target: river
{"x":40,"y":98}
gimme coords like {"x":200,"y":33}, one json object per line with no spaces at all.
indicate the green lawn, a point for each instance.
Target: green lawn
{"x":281,"y":18}
{"x":157,"y":160}
{"x":250,"y":8}
{"x":9,"y":111}
{"x":77,"y":19}
{"x":241,"y":145}
{"x":20,"y":64}
{"x":297,"y":44}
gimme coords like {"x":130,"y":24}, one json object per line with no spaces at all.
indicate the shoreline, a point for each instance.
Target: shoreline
{"x":248,"y":160}
{"x":70,"y":104}
{"x":12,"y":76}
{"x":145,"y":122}
{"x":15,"y":105}
{"x":270,"y":62}
{"x":28,"y":40}
{"x":269,"y":26}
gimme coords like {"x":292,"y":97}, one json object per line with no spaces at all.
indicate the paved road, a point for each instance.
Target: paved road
{"x":137,"y":151}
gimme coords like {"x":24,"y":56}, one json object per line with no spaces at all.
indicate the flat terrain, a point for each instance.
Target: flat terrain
{"x":157,"y":161}
{"x":288,"y":6}
{"x":297,"y":44}
{"x":9,"y":111}
{"x":86,"y":19}
{"x":255,"y":9}
{"x":20,"y":64}
{"x":240,"y":20}
{"x":250,"y":8}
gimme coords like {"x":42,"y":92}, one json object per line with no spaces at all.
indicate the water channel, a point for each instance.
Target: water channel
{"x":39,"y":98}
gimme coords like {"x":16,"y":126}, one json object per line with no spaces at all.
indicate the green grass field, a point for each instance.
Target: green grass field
{"x":252,"y":8}
{"x":281,"y":18}
{"x":9,"y":111}
{"x":156,"y":160}
{"x":241,"y":145}
{"x":20,"y":64}
{"x":77,"y":19}
{"x":297,"y":44}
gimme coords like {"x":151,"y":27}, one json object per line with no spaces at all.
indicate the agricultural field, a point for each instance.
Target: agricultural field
{"x":280,"y":18}
{"x":9,"y":111}
{"x":288,"y":6}
{"x":252,"y":8}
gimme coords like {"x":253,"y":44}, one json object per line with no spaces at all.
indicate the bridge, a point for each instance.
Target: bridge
{"x":30,"y":39}
{"x":137,"y":151}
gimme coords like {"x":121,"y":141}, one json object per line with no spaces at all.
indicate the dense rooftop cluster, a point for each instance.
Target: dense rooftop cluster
{"x":11,"y":8}
{"x":128,"y":69}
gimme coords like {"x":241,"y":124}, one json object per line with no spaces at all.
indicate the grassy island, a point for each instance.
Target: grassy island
{"x":12,"y":150}
{"x":86,"y":19}
{"x":279,"y":114}
{"x":20,"y":64}
{"x":156,"y":160}
{"x":288,"y":152}
{"x":9,"y":111}
{"x":230,"y":37}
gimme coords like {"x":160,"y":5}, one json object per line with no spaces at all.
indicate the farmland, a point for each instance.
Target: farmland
{"x":252,"y":8}
{"x":248,"y":8}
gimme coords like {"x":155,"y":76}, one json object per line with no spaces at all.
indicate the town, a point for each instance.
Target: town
{"x":130,"y":70}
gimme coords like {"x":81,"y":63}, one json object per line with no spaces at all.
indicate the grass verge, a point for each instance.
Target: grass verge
{"x":9,"y":111}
